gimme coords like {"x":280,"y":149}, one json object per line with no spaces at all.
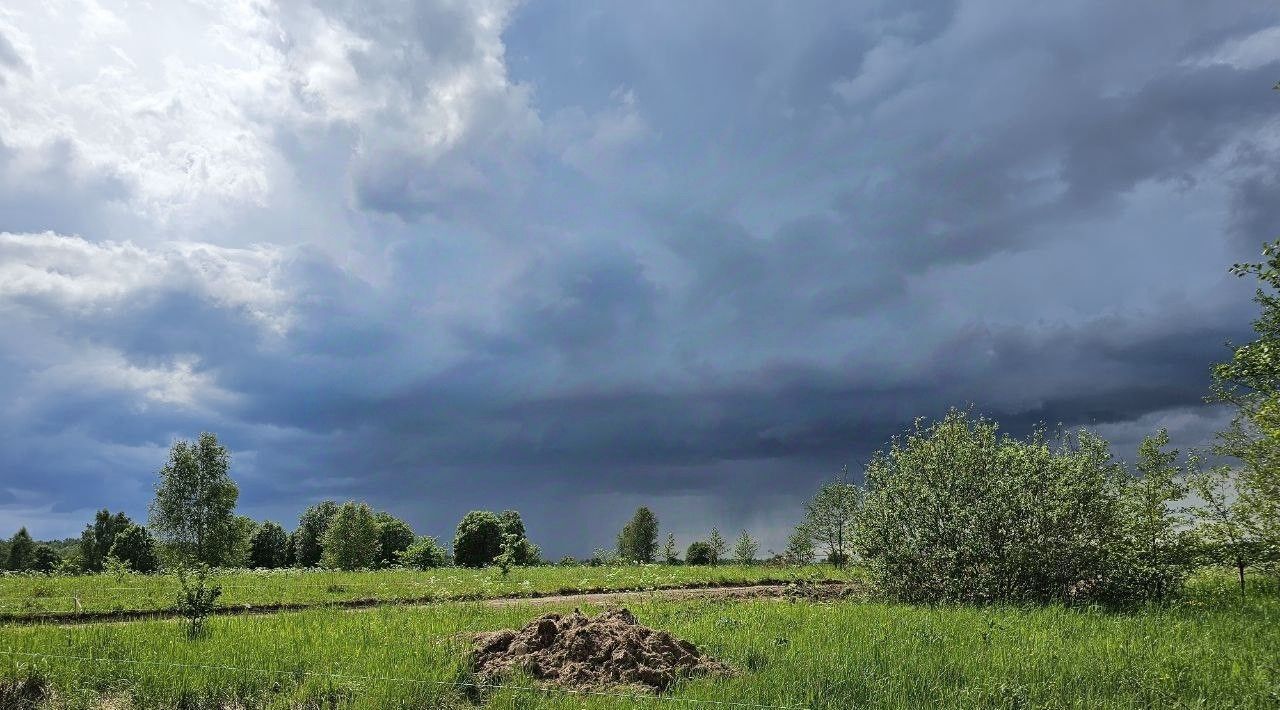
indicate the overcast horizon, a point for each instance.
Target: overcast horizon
{"x":571,"y":259}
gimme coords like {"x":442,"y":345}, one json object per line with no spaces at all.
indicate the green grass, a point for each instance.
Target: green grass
{"x":32,"y":596}
{"x":1211,"y":650}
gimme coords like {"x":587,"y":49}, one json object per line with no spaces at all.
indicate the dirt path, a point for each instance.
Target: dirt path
{"x":731,"y":591}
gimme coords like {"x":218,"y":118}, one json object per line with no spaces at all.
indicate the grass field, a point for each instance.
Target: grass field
{"x":1210,"y":650}
{"x":33,"y":596}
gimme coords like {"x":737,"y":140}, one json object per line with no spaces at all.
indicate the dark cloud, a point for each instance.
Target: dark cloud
{"x":698,"y":257}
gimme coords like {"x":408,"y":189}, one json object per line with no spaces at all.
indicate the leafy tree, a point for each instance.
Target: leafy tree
{"x":1250,"y":382}
{"x":135,"y":546}
{"x":351,"y":542}
{"x":1160,"y":545}
{"x":831,"y":517}
{"x":424,"y":553}
{"x":309,"y":537}
{"x":394,"y":536}
{"x":744,"y":552}
{"x":235,"y":541}
{"x":700,"y":553}
{"x":526,"y":553}
{"x":669,"y":552}
{"x":718,"y":545}
{"x":45,"y":559}
{"x":196,"y":499}
{"x":957,"y":511}
{"x":800,"y":548}
{"x":507,"y":553}
{"x":291,"y":550}
{"x":638,"y":541}
{"x":478,"y":540}
{"x":1225,"y":528}
{"x":99,"y":536}
{"x":22,"y":552}
{"x":269,"y":547}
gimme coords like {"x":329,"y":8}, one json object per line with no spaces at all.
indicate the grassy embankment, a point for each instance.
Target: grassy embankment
{"x":34,"y":596}
{"x":1210,"y":649}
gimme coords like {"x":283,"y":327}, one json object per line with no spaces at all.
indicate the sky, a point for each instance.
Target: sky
{"x":572,"y":258}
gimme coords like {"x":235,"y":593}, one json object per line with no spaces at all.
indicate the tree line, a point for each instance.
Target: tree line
{"x":954,"y":510}
{"x":192,"y":520}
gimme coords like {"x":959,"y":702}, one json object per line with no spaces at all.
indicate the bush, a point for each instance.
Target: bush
{"x":351,"y":542}
{"x":700,"y":553}
{"x":478,"y":539}
{"x":197,"y":600}
{"x":135,"y":547}
{"x":424,"y":553}
{"x":568,"y":561}
{"x":959,"y":512}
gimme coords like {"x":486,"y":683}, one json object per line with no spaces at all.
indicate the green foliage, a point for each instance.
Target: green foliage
{"x":507,"y":554}
{"x":1225,"y":528}
{"x":800,"y":547}
{"x":351,"y":542}
{"x":744,"y":551}
{"x":1250,"y":382}
{"x":424,"y":553}
{"x":22,"y":552}
{"x":197,"y":599}
{"x":135,"y":547}
{"x":1161,"y":549}
{"x":957,"y":511}
{"x":308,"y":544}
{"x":700,"y":553}
{"x":394,"y":536}
{"x":99,"y":536}
{"x":195,"y":501}
{"x":478,"y":540}
{"x":638,"y":540}
{"x":831,"y":518}
{"x":717,"y":544}
{"x":45,"y":559}
{"x":670,"y":552}
{"x":116,"y":568}
{"x":526,"y":553}
{"x":269,"y":547}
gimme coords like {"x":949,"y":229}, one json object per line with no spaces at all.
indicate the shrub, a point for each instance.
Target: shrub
{"x":568,"y":561}
{"x":957,"y":511}
{"x":197,"y":599}
{"x":478,"y":539}
{"x":424,"y":553}
{"x":351,"y":542}
{"x":135,"y":547}
{"x":700,"y":553}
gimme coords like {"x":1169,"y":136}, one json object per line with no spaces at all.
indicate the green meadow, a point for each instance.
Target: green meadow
{"x":1210,"y":649}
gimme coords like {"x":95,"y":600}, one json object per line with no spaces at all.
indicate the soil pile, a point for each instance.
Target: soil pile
{"x":583,"y":653}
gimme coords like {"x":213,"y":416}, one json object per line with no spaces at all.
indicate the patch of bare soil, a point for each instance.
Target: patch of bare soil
{"x":582,"y":653}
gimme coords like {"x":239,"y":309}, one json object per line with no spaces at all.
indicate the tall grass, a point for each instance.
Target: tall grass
{"x":32,"y":595}
{"x":1212,"y":650}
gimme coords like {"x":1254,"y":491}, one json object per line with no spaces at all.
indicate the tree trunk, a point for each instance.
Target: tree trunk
{"x":1240,"y":567}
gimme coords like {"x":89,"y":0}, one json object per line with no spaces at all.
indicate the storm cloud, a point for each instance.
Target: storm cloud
{"x":573,"y":259}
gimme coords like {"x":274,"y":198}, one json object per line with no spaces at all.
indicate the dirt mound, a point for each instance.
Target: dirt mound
{"x":583,"y":653}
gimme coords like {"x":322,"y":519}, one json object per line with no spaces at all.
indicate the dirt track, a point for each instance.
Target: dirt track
{"x":763,"y":590}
